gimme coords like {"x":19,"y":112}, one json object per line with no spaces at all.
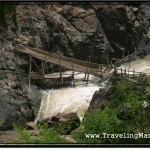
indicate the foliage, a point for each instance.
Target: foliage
{"x":7,"y":9}
{"x":46,"y":135}
{"x":125,"y":113}
{"x":65,"y":128}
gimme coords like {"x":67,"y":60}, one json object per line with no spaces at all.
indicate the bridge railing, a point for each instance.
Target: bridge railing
{"x":126,"y":59}
{"x":64,"y":58}
{"x":130,"y":73}
{"x":122,"y":61}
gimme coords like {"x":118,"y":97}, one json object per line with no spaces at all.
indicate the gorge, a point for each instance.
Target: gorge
{"x":95,"y":32}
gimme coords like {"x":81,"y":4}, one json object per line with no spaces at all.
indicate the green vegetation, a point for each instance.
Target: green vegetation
{"x":7,"y":10}
{"x":125,"y":113}
{"x":46,"y":135}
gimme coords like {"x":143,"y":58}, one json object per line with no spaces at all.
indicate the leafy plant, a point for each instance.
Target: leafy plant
{"x":46,"y":135}
{"x":124,"y":114}
{"x":7,"y":9}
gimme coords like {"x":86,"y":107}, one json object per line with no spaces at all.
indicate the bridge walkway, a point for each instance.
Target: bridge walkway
{"x":69,"y":63}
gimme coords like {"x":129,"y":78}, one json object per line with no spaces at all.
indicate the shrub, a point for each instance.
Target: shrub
{"x":46,"y":135}
{"x":123,"y":114}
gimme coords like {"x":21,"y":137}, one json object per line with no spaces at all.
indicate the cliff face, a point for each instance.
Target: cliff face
{"x":96,"y":32}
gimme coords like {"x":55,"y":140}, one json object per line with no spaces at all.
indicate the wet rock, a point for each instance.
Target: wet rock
{"x":70,"y":139}
{"x":100,"y":99}
{"x":65,"y":123}
{"x":31,"y":126}
{"x":124,"y":17}
{"x":65,"y":117}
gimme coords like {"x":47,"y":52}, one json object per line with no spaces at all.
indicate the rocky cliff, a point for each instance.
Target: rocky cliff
{"x":96,"y":32}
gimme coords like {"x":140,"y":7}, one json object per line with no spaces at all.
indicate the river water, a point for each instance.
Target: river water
{"x":68,"y":99}
{"x":77,"y":99}
{"x":139,"y":65}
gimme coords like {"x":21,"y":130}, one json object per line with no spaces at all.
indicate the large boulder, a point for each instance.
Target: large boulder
{"x":65,"y":123}
{"x":6,"y":136}
{"x":100,"y":99}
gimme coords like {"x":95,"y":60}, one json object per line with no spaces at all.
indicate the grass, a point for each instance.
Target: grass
{"x":46,"y":136}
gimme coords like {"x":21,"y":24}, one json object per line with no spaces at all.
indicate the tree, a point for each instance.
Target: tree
{"x":7,"y":9}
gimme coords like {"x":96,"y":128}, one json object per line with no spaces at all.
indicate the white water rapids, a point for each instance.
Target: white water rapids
{"x":77,"y":99}
{"x":139,"y":65}
{"x":68,"y":99}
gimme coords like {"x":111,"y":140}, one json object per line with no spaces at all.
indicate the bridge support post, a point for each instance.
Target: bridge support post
{"x":121,"y":72}
{"x":87,"y":79}
{"x":115,"y":72}
{"x":30,"y":67}
{"x":43,"y":72}
{"x":61,"y":78}
{"x":133,"y":73}
{"x":73,"y":78}
{"x":101,"y":69}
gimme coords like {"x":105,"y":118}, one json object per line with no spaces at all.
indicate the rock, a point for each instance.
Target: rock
{"x":96,"y":33}
{"x":100,"y":99}
{"x":136,"y":24}
{"x":64,"y":122}
{"x":55,"y":118}
{"x":31,"y":126}
{"x":34,"y":132}
{"x":135,"y":9}
{"x":113,"y":18}
{"x":31,"y":42}
{"x":70,"y":139}
{"x":65,"y":117}
{"x":9,"y":135}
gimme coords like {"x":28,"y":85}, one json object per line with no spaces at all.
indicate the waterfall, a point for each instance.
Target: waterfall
{"x":68,"y":99}
{"x":77,"y":99}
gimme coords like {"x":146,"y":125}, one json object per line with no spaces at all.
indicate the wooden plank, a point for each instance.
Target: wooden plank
{"x":66,"y":64}
{"x":64,"y":58}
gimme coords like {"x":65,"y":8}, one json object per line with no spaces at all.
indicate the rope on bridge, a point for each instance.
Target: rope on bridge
{"x":78,"y":65}
{"x":122,"y":61}
{"x":100,"y":70}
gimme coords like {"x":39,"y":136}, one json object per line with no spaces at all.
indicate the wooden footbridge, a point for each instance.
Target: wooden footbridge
{"x":99,"y":70}
{"x":66,"y":62}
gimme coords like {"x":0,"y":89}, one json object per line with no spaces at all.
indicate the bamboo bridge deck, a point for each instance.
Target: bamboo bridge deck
{"x":99,"y":70}
{"x":66,"y":62}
